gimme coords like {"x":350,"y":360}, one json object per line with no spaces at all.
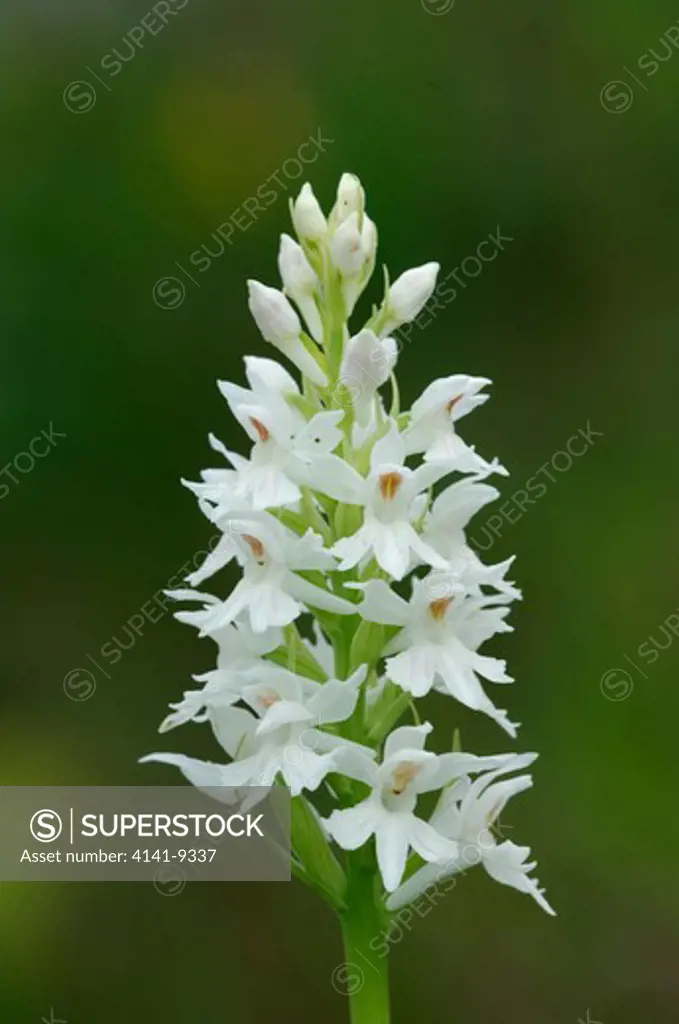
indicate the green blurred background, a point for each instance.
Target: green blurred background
{"x":458,"y":121}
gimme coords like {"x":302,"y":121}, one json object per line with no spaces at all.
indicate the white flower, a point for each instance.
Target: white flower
{"x":280,"y":325}
{"x":265,"y":480}
{"x":407,"y":771}
{"x":280,"y":699}
{"x":438,"y":641}
{"x":388,"y":496}
{"x":285,"y":445}
{"x":465,"y":814}
{"x":408,"y":295}
{"x":271,"y":592}
{"x":433,"y":418}
{"x":307,"y":216}
{"x":300,"y":283}
{"x":283,"y":737}
{"x":366,"y":366}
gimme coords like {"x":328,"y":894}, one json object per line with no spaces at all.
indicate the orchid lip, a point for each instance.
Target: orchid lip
{"x":439,"y":607}
{"x":390,"y":484}
{"x":402,"y":776}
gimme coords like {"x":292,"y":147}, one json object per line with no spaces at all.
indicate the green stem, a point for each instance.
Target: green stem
{"x":364,"y":924}
{"x":334,"y":333}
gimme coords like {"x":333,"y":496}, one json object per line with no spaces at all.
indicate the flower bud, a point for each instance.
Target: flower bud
{"x":307,"y":216}
{"x":350,"y":199}
{"x":273,"y":314}
{"x":296,"y":272}
{"x":300,"y":283}
{"x":409,"y":293}
{"x":280,"y":325}
{"x":353,"y":246}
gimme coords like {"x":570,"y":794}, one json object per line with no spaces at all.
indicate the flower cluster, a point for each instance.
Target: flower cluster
{"x":358,"y":592}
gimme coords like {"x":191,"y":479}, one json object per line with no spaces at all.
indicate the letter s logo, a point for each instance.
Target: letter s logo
{"x":46,"y":826}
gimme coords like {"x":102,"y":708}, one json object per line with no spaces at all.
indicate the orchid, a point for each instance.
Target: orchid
{"x":433,"y":417}
{"x":407,"y":770}
{"x":437,"y":644}
{"x":280,"y":736}
{"x":285,"y":443}
{"x":466,"y":814}
{"x":388,"y":495}
{"x":357,"y":595}
{"x":271,"y":592}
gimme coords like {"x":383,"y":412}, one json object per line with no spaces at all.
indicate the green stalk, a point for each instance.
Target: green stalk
{"x":364,"y":976}
{"x":336,"y":318}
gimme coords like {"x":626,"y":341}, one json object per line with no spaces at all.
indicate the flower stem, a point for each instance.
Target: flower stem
{"x":365,"y":976}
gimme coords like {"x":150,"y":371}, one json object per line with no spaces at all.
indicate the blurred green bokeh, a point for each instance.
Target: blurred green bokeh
{"x":489,"y":114}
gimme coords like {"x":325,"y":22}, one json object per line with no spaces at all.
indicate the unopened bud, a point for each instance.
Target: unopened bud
{"x":308,"y":217}
{"x":296,"y":272}
{"x":353,"y":245}
{"x":350,"y":199}
{"x":279,"y":324}
{"x":300,"y":282}
{"x":409,"y":294}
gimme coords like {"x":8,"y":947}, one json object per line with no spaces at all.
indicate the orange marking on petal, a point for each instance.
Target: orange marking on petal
{"x":453,"y":402}
{"x":439,"y":607}
{"x":403,"y":774}
{"x":269,"y":698}
{"x":256,"y":546}
{"x":389,"y":485}
{"x":263,"y":433}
